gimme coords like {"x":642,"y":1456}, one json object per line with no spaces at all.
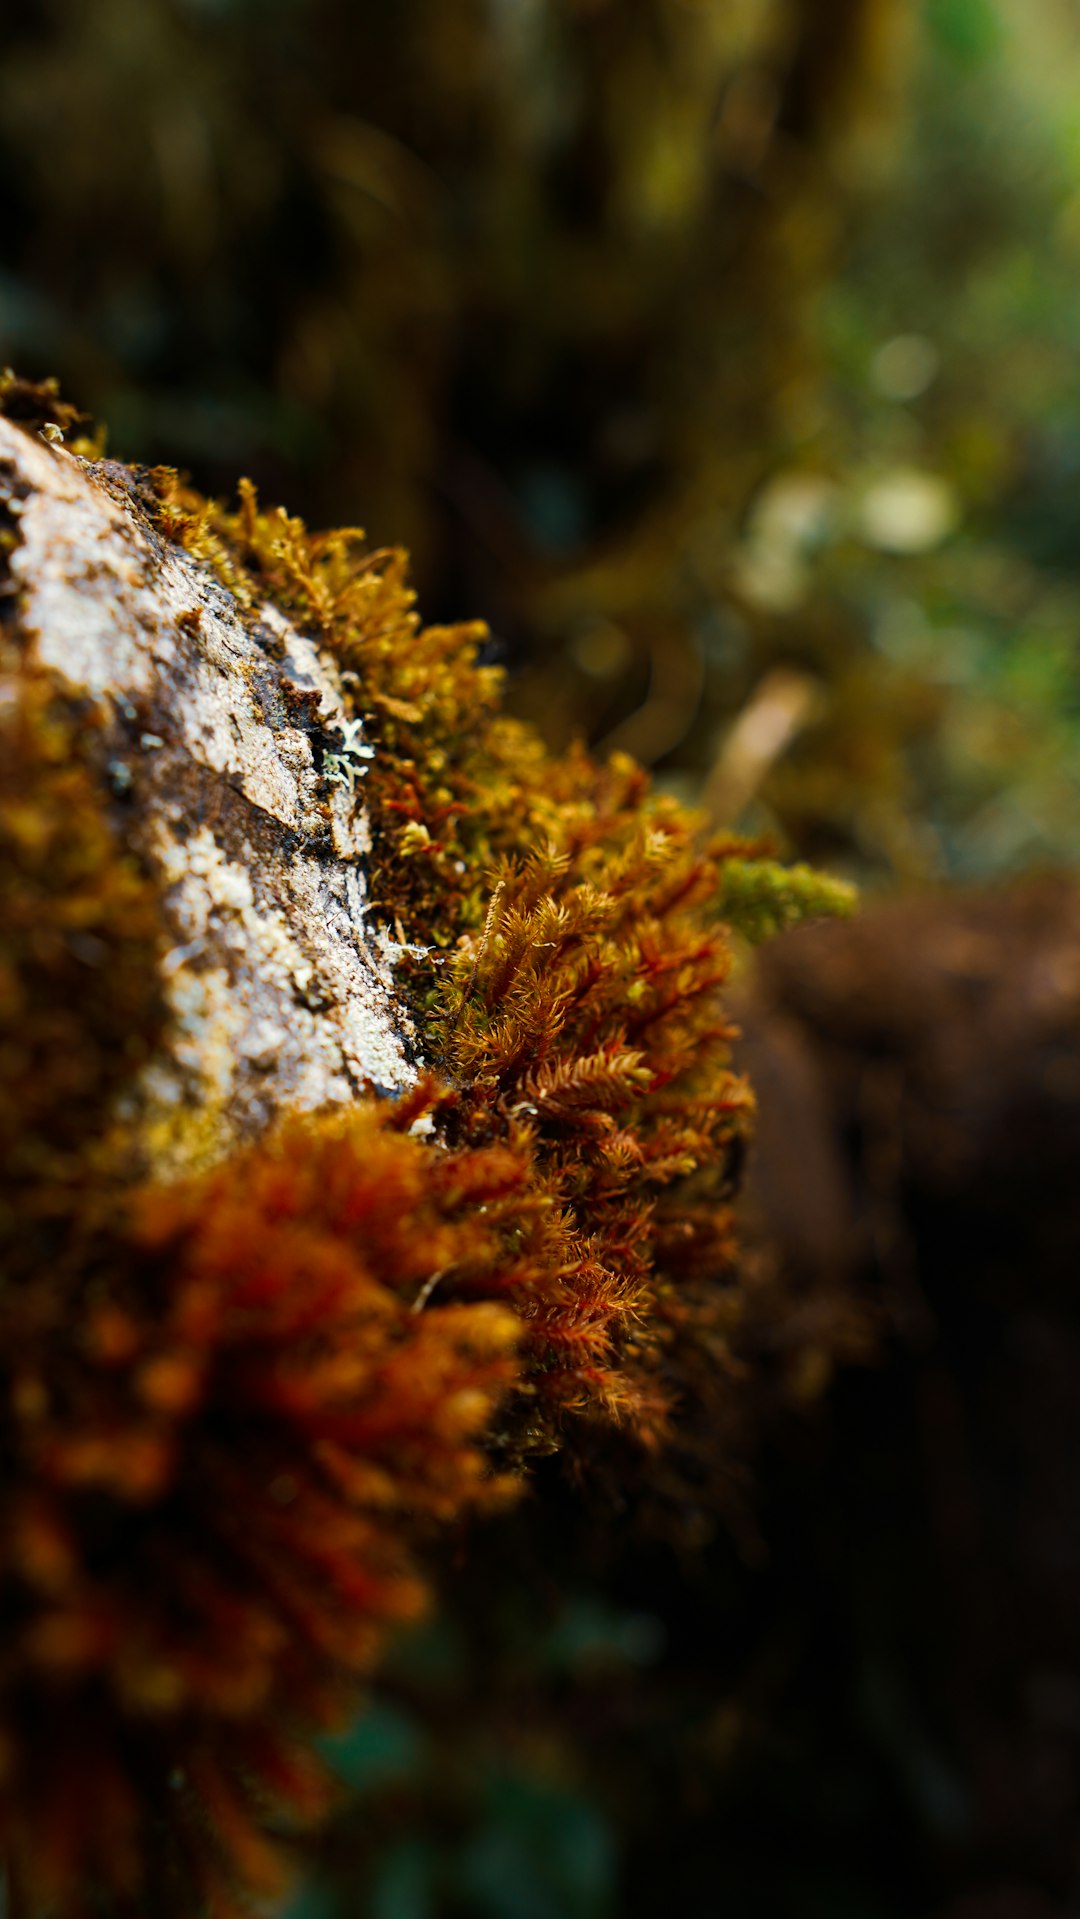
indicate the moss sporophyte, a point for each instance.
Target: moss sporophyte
{"x":235,"y":1402}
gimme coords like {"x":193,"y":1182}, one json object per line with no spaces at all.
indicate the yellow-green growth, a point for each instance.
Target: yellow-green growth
{"x":760,"y":898}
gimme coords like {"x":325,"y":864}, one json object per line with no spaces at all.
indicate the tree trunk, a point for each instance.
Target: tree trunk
{"x":237,"y":778}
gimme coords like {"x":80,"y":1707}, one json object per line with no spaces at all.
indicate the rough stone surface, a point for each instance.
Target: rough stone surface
{"x":216,"y":730}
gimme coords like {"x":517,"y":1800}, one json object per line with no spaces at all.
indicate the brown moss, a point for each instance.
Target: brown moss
{"x":36,"y":403}
{"x":80,"y":938}
{"x":222,"y":1445}
{"x":576,"y":954}
{"x":231,"y":1406}
{"x":577,"y":948}
{"x":589,"y":1013}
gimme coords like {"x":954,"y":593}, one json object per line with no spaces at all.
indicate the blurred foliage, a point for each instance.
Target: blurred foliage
{"x":941,"y":529}
{"x":523,"y":284}
{"x":762,"y":898}
{"x":682,"y":339}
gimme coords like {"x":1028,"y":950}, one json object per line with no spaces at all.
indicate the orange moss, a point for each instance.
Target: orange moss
{"x":588,"y":1012}
{"x":577,"y":1008}
{"x":222,"y":1444}
{"x":36,"y":403}
{"x":231,"y":1407}
{"x":452,"y":782}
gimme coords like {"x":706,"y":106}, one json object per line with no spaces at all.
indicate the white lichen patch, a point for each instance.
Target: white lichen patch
{"x":239,"y":776}
{"x":83,"y":565}
{"x":349,"y":828}
{"x":292,"y":1002}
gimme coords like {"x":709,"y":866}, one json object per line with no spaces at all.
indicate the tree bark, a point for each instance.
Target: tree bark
{"x":236,"y":776}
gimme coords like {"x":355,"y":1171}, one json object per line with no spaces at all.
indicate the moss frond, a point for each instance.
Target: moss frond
{"x":761,"y":897}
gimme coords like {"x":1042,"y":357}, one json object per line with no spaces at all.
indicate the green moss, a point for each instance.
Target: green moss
{"x":760,"y":898}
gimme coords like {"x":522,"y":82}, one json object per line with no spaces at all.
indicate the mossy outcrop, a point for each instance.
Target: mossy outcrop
{"x":389,"y":1128}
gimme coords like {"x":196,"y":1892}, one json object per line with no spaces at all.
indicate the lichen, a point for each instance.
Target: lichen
{"x":207,"y":736}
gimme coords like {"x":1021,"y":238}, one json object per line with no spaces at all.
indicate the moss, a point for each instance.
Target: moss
{"x":222,"y":1442}
{"x":577,"y":948}
{"x":232,"y":1406}
{"x":81,"y":1007}
{"x":588,"y":1012}
{"x":761,"y":897}
{"x":36,"y":403}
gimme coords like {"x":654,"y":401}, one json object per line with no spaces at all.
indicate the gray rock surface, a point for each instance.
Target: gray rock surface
{"x":238,"y":777}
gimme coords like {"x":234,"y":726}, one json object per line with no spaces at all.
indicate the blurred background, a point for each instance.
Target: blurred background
{"x":723,"y":355}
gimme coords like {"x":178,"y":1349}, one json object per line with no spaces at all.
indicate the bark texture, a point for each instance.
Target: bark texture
{"x":237,"y":777}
